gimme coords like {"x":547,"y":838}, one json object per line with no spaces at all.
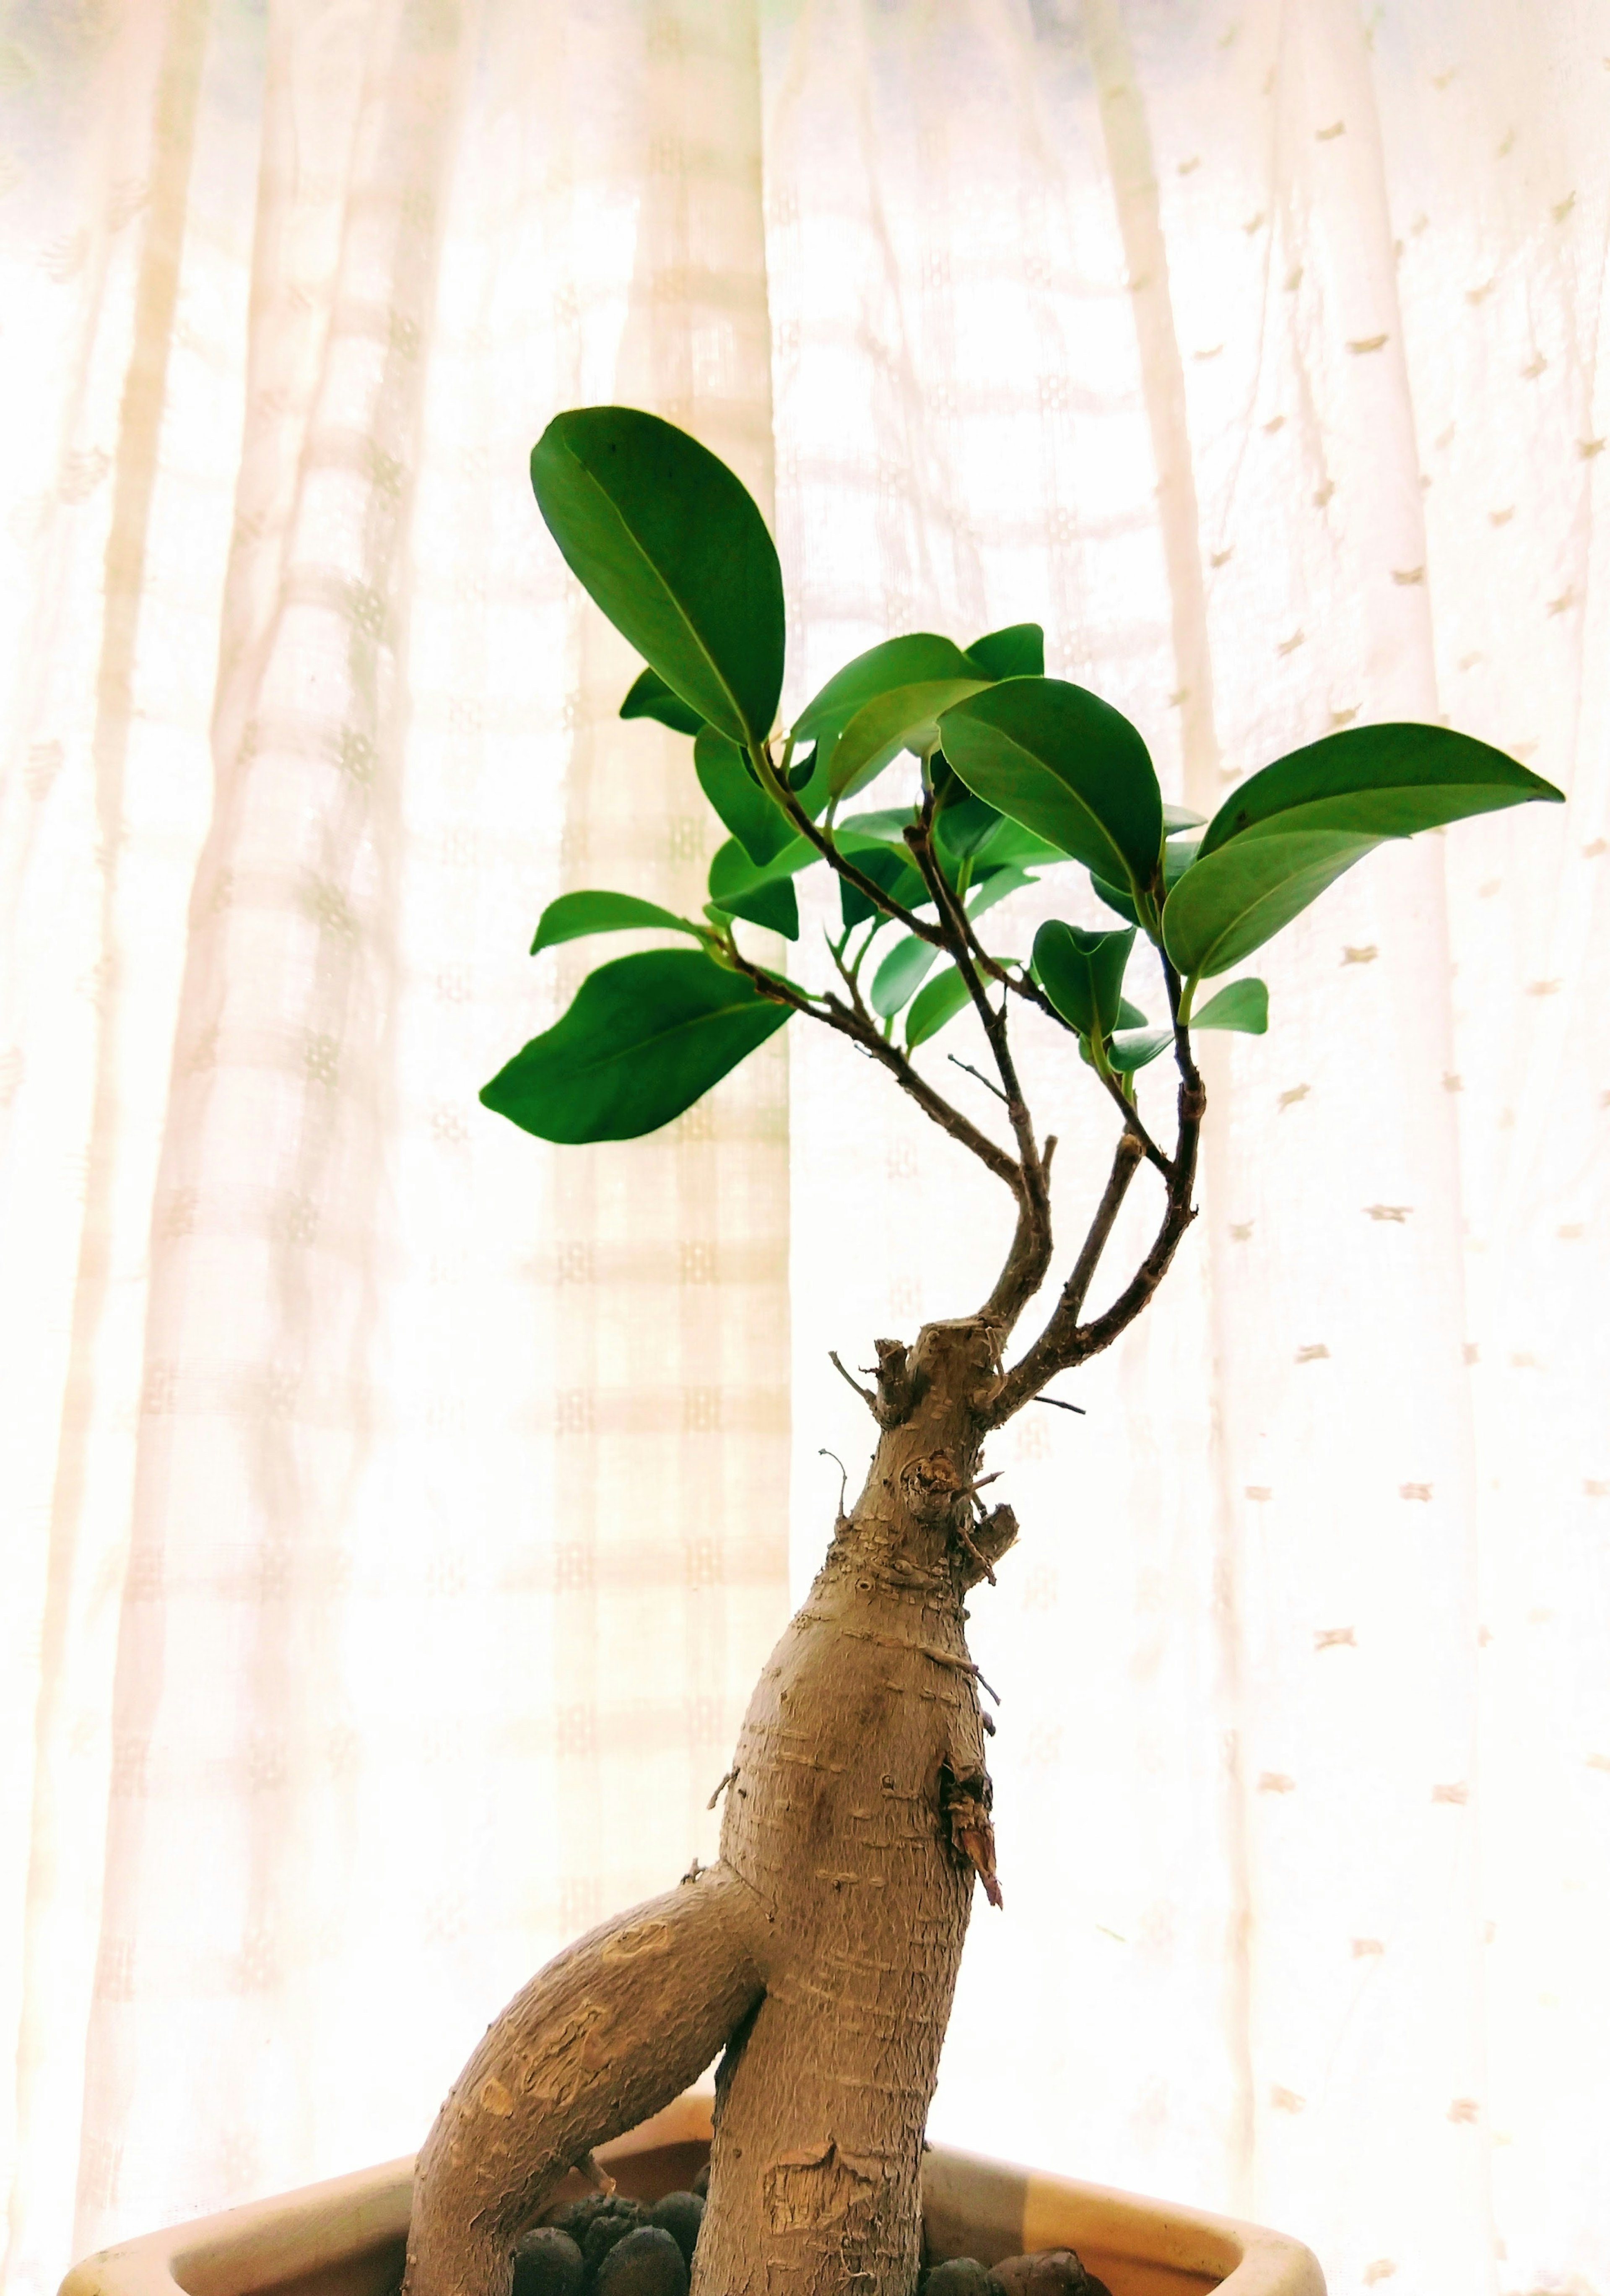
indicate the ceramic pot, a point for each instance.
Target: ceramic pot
{"x":346,"y":2238}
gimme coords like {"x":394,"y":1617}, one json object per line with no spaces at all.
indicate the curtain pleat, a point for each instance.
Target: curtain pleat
{"x":396,"y":1512}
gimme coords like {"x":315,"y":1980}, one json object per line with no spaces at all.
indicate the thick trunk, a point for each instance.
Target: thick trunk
{"x":823,"y":1949}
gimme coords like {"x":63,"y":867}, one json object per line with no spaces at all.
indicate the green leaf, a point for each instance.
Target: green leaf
{"x":888,"y":826}
{"x":650,"y":697}
{"x":760,"y":825}
{"x":918,"y":659}
{"x":962,"y":823}
{"x":1230,"y":902}
{"x":934,"y":1006}
{"x":1244,"y":1005}
{"x":1082,"y":974}
{"x":644,"y":1038}
{"x":1066,"y":766}
{"x":1019,"y":651}
{"x":664,"y":538}
{"x":905,"y":717}
{"x":1288,"y":832}
{"x":1115,"y":898}
{"x":890,"y":867}
{"x":1374,"y":782}
{"x":1137,"y":1048}
{"x":1176,"y":817}
{"x":574,"y":914}
{"x":764,"y":896}
{"x":1178,"y":855}
{"x":1019,"y":847}
{"x":1131,"y":1016}
{"x":996,"y":884}
{"x":901,"y":974}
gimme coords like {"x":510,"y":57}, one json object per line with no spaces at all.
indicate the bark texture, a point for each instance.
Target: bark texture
{"x":822,"y":1950}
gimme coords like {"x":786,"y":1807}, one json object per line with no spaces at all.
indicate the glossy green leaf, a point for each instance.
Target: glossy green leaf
{"x":962,"y":823}
{"x":1066,"y":766}
{"x":934,"y":1006}
{"x":1291,"y":831}
{"x":668,"y":542}
{"x":1230,"y":902}
{"x":1373,"y":782}
{"x":1082,"y":974}
{"x":575,"y":915}
{"x":1178,"y":855}
{"x":888,"y":826}
{"x":757,"y":821}
{"x":1012,"y":843}
{"x":764,"y":896}
{"x":919,"y":659}
{"x":650,"y":697}
{"x":1019,"y":651}
{"x":1131,"y":1016}
{"x":906,"y":718}
{"x":901,"y":974}
{"x":890,"y":867}
{"x":1137,"y":1048}
{"x":1242,"y":1005}
{"x":644,"y":1038}
{"x":1176,"y":817}
{"x":1115,"y":898}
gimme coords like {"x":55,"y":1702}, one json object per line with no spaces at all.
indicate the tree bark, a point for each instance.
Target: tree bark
{"x":822,"y":1950}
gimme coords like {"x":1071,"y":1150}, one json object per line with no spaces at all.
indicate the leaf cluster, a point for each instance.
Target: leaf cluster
{"x":1022,"y":773}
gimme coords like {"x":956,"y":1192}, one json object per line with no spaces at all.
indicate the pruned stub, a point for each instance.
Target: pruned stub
{"x":966,"y":1802}
{"x":934,"y":1493}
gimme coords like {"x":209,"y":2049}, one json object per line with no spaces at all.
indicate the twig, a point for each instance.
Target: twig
{"x":1057,"y":1403}
{"x":979,"y":1073}
{"x":866,"y":1393}
{"x":823,"y":1452}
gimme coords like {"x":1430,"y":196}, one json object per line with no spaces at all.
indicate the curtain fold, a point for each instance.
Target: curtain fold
{"x":396,"y":1512}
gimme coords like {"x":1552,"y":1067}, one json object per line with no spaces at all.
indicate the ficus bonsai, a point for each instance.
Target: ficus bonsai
{"x":820,"y":1954}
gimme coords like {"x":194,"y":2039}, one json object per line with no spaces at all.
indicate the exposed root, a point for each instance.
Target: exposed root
{"x":608,"y":2033}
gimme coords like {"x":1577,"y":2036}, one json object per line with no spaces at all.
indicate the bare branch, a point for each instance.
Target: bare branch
{"x":856,"y":1022}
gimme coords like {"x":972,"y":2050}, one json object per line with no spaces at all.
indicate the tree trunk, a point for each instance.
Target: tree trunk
{"x":822,"y":1950}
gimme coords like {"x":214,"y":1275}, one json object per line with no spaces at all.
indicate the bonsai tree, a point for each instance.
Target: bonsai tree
{"x":820,"y":1954}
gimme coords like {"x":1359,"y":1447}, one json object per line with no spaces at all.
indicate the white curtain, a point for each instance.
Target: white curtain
{"x":395,"y":1512}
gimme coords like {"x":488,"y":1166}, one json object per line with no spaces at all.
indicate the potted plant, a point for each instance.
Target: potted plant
{"x":819,"y":1954}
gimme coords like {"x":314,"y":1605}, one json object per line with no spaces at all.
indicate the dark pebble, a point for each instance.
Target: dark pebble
{"x":961,"y":2276}
{"x":612,"y":2223}
{"x":547,"y":2262}
{"x":646,"y":2262}
{"x":1048,"y":2272}
{"x":575,"y":2216}
{"x":701,"y":2184}
{"x":679,"y":2214}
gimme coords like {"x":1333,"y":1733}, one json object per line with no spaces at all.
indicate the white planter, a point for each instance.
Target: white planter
{"x":346,"y":2238}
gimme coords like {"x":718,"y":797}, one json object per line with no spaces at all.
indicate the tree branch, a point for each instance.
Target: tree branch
{"x":1030,"y":1254}
{"x":1065,"y":1343}
{"x":853,"y":1020}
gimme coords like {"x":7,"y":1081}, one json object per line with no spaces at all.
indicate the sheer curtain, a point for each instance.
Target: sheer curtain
{"x":396,"y":1513}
